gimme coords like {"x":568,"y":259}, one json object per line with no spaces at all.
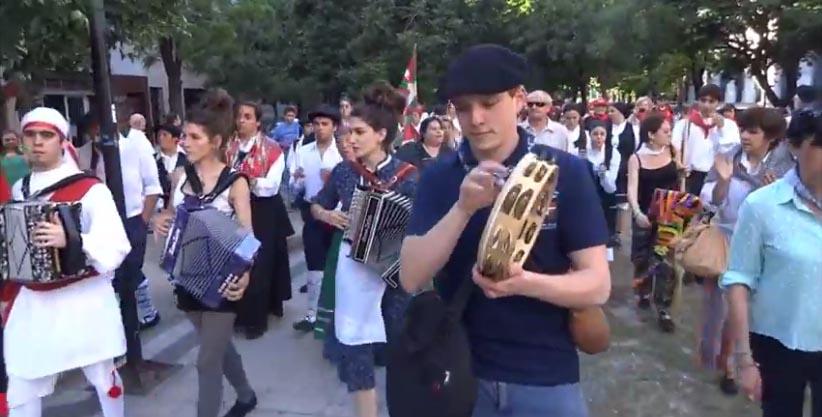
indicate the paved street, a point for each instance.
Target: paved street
{"x":645,"y":373}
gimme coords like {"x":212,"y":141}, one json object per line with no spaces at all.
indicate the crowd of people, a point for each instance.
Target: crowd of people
{"x":756,"y":174}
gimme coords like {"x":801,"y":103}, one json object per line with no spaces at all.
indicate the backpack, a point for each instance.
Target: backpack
{"x":429,"y":370}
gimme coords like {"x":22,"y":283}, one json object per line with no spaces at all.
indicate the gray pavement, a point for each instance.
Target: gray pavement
{"x":645,"y":373}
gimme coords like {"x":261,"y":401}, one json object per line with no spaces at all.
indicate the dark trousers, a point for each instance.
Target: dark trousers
{"x":785,"y":375}
{"x":694,"y":182}
{"x":4,"y":378}
{"x":317,"y":237}
{"x":126,"y":279}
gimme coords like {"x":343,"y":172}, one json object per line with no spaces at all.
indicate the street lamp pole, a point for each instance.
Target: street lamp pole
{"x":114,"y":180}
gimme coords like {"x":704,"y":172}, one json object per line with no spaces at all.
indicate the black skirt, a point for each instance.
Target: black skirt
{"x":270,"y":282}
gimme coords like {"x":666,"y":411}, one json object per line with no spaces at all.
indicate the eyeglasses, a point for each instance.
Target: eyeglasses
{"x":537,"y":104}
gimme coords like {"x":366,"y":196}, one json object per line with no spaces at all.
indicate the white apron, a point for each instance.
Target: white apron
{"x":49,"y":332}
{"x":357,"y":310}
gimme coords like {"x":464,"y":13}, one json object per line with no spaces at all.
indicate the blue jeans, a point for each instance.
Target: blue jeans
{"x":498,"y":399}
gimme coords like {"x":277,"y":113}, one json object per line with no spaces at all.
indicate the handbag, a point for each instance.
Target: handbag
{"x":702,"y":249}
{"x":590,"y":330}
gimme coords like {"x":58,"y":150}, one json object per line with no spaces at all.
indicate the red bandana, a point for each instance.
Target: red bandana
{"x":695,"y":118}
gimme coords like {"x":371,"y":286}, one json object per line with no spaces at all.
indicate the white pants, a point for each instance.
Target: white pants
{"x":25,"y":395}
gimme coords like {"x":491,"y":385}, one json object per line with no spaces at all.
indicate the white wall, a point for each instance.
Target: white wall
{"x":156,"y":74}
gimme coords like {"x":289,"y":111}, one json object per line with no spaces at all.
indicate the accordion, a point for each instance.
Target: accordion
{"x":205,"y":251}
{"x":376,"y":229}
{"x":21,"y":261}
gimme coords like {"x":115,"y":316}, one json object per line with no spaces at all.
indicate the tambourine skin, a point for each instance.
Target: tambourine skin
{"x":517,"y":216}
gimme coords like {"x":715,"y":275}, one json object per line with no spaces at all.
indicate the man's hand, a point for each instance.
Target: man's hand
{"x":718,"y":120}
{"x":50,"y":234}
{"x":724,"y":167}
{"x":480,"y":187}
{"x":517,"y":283}
{"x":768,"y":178}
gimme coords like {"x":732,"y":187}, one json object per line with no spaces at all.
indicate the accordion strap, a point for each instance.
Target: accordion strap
{"x":226,"y":180}
{"x":56,"y":187}
{"x":376,"y":183}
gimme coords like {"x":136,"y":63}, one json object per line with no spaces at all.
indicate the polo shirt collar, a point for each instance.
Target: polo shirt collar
{"x":469,"y":161}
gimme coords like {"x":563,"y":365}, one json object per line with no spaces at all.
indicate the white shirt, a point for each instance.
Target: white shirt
{"x":308,"y":158}
{"x":139,"y":171}
{"x":269,"y":185}
{"x":49,"y":332}
{"x":553,"y":134}
{"x":700,"y":150}
{"x":607,"y":178}
{"x":573,"y":136}
{"x":169,"y":161}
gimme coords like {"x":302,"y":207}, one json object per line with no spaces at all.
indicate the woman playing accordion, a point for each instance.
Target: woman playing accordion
{"x":205,"y":132}
{"x":367,"y":310}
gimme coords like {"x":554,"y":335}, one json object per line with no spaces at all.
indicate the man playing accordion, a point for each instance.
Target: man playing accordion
{"x":69,"y":322}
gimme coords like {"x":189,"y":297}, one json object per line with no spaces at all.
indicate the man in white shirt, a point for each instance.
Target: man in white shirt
{"x":702,"y":134}
{"x":141,"y":189}
{"x":312,"y":167}
{"x":545,"y":131}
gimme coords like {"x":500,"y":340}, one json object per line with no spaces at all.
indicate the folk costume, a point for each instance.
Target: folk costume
{"x":316,"y":165}
{"x":604,"y":163}
{"x":262,"y":161}
{"x":366,"y":312}
{"x":698,"y":141}
{"x":72,"y":324}
{"x":166,"y":165}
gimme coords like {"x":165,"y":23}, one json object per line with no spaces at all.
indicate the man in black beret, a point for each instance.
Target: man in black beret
{"x":518,"y":328}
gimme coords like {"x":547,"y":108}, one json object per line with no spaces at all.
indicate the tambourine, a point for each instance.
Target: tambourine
{"x":517,"y":216}
{"x":512,"y":230}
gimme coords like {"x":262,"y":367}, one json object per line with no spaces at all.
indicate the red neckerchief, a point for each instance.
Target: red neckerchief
{"x":696,"y":118}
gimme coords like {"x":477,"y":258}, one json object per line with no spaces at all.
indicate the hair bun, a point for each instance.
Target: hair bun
{"x":218,"y":101}
{"x":382,"y":94}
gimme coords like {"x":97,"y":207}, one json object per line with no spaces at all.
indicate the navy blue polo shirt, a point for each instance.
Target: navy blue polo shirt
{"x":518,"y":340}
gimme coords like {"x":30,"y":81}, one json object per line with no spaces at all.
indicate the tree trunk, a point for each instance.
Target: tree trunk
{"x":173,"y":64}
{"x":790,"y":69}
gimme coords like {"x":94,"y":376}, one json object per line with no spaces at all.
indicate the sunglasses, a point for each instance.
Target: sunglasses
{"x":536,"y":104}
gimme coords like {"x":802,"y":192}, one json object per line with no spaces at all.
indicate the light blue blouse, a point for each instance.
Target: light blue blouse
{"x":776,"y":251}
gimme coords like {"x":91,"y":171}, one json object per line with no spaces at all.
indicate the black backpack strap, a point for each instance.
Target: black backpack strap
{"x":461,"y":297}
{"x":71,"y":179}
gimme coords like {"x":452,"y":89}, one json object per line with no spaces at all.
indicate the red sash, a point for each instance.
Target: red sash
{"x":72,"y":192}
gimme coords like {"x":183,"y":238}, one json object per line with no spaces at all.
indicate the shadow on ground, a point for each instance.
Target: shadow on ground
{"x":649,"y":373}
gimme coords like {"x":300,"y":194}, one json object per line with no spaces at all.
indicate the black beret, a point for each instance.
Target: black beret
{"x":174,"y":131}
{"x":483,"y":69}
{"x":325,"y":110}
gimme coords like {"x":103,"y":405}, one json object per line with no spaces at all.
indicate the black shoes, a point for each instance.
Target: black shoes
{"x":242,"y":409}
{"x":666,"y":322}
{"x":305,"y":325}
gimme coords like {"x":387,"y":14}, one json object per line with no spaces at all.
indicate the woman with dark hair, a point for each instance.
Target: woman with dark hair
{"x":759,"y":160}
{"x":431,"y":145}
{"x":261,"y":159}
{"x":571,"y":117}
{"x":653,"y":166}
{"x":366,"y":313}
{"x":773,"y":282}
{"x":206,"y":133}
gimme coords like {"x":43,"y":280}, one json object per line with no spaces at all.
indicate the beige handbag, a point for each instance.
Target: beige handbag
{"x":702,"y":249}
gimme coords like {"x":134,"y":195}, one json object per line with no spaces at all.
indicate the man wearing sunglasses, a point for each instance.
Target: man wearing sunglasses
{"x":544,"y":130}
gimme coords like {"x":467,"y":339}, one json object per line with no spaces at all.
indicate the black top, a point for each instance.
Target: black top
{"x":665,"y":177}
{"x":415,"y":154}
